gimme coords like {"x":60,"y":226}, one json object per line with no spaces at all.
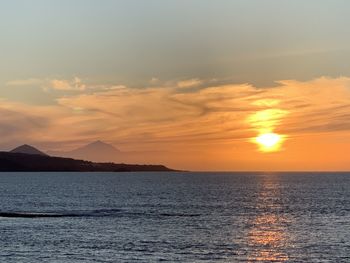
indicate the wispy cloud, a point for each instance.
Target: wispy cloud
{"x":211,"y":119}
{"x":75,"y":84}
{"x":61,"y":84}
{"x":189,"y":83}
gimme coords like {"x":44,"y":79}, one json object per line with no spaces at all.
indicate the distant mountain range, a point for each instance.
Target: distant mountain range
{"x":28,"y":158}
{"x":97,"y":151}
{"x":27,"y":149}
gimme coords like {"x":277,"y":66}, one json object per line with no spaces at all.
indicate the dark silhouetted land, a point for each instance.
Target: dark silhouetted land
{"x":17,"y":162}
{"x":27,"y":149}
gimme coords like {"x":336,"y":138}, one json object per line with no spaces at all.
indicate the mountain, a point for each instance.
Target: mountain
{"x":27,"y":149}
{"x":97,"y":151}
{"x":11,"y":162}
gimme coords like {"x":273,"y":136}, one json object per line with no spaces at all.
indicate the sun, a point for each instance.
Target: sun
{"x":269,"y":142}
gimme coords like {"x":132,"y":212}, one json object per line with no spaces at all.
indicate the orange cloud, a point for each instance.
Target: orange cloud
{"x":61,"y":84}
{"x":209,"y":128}
{"x":75,"y":84}
{"x":189,"y":83}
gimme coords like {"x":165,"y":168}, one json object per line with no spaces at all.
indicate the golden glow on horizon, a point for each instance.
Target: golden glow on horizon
{"x":209,"y":128}
{"x":269,"y":142}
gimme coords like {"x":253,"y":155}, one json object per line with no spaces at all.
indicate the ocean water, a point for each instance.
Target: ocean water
{"x":175,"y":217}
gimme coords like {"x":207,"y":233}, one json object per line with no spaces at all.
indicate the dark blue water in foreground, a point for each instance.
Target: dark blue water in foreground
{"x":175,"y":217}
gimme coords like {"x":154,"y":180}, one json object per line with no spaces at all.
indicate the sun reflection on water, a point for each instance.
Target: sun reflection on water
{"x":268,"y":236}
{"x":267,"y":240}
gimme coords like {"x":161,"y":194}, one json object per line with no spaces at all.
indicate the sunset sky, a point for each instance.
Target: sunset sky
{"x":192,"y":84}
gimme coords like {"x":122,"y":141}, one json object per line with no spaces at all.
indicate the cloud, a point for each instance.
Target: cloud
{"x":154,"y":80}
{"x":21,"y":123}
{"x":232,"y":111}
{"x":75,"y":84}
{"x":61,"y":84}
{"x":294,"y":107}
{"x":218,"y":120}
{"x":190,"y":83}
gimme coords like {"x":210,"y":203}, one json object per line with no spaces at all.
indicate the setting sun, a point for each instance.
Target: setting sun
{"x":174,"y":130}
{"x":269,"y":142}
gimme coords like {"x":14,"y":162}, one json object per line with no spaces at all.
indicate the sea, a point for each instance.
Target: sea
{"x":175,"y":217}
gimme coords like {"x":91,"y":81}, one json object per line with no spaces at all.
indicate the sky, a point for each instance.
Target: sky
{"x":192,"y":84}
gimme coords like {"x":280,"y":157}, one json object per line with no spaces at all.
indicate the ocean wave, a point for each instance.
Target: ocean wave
{"x":89,"y":213}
